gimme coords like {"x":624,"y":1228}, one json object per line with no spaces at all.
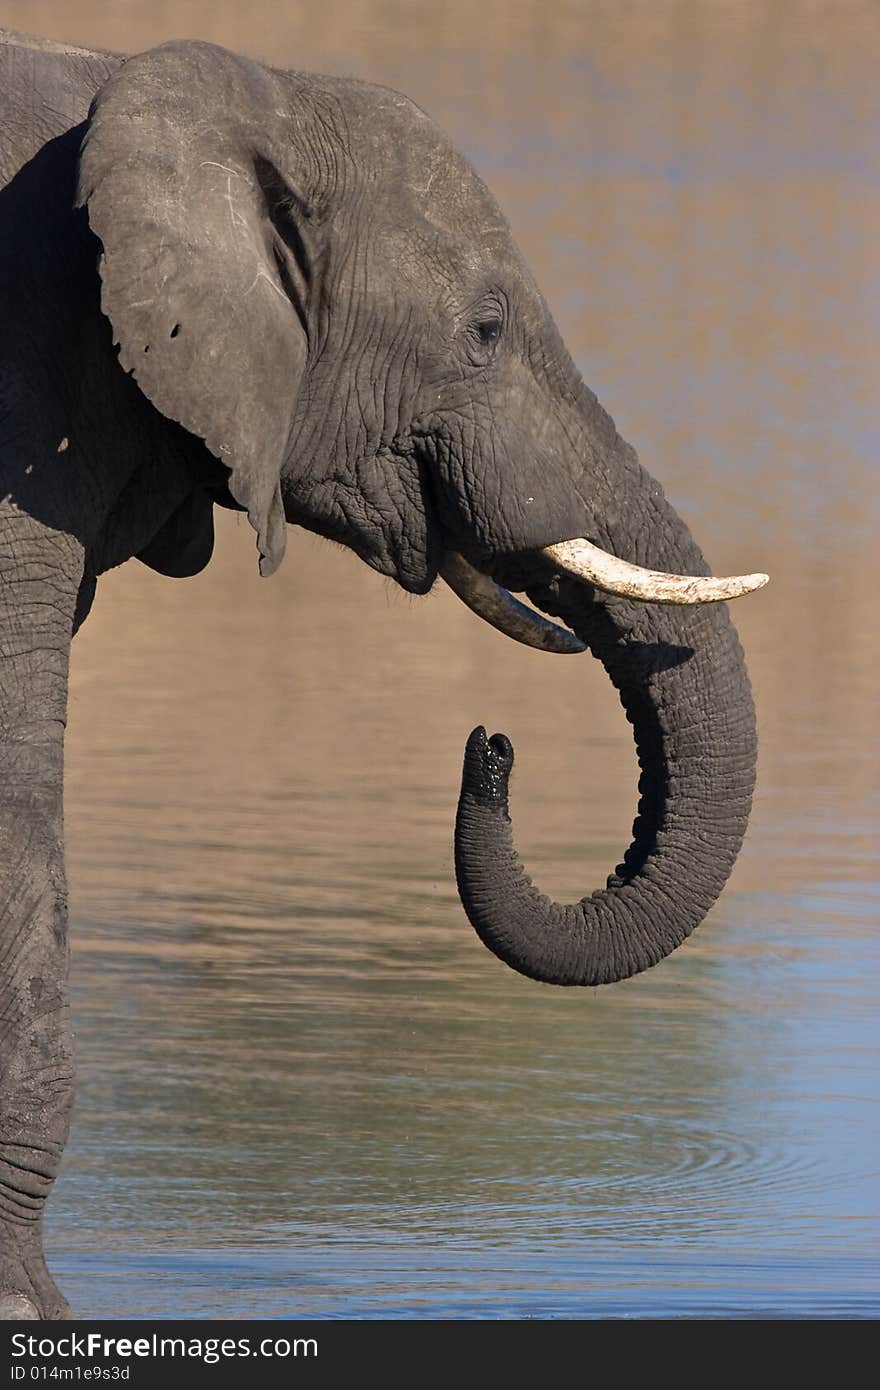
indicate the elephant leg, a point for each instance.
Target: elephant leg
{"x":40,"y":575}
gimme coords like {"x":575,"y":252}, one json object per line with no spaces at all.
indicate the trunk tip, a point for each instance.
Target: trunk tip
{"x":487,"y":766}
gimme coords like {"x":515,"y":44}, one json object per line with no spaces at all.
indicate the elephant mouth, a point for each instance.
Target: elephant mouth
{"x":581,"y":560}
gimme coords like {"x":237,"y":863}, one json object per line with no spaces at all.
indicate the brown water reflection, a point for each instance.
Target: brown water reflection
{"x":289,"y":1038}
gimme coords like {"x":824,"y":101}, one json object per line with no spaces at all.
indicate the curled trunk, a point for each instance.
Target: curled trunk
{"x":684,"y":687}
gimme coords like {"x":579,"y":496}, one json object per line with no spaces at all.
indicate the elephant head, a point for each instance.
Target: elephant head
{"x":304,"y":274}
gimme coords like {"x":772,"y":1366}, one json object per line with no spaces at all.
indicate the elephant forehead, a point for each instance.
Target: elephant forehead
{"x":427,"y":171}
{"x":442,"y":217}
{"x":424,"y":253}
{"x":453,"y":199}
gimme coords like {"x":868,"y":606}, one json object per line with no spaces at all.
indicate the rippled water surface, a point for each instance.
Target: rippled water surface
{"x":304,"y":1087}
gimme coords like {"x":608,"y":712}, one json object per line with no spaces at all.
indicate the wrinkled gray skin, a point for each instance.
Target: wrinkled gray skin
{"x":302,"y":275}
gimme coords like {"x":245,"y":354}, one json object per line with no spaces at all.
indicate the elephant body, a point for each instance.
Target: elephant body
{"x":289,"y":295}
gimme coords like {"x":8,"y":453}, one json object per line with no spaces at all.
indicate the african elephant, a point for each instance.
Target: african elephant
{"x":287,"y":294}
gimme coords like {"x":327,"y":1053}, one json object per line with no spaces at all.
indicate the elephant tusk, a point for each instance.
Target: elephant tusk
{"x":499,"y":608}
{"x":606,"y":572}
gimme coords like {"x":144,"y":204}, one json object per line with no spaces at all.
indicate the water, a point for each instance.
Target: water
{"x":304,"y":1087}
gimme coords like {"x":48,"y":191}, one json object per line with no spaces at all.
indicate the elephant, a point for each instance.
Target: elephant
{"x":223,"y":285}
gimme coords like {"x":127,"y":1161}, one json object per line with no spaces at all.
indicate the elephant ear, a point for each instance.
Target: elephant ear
{"x":181,"y":173}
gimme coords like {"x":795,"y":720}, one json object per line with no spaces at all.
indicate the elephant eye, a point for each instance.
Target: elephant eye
{"x":484,"y":336}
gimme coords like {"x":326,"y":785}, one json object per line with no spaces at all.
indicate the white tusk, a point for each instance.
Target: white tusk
{"x":586,"y":561}
{"x":499,"y":608}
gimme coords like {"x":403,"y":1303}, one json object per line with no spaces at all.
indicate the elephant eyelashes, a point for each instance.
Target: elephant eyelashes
{"x":483,"y":339}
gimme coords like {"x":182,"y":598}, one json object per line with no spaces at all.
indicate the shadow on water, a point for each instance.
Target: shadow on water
{"x":304,"y":1088}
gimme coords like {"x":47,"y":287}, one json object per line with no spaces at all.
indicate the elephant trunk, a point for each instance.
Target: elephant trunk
{"x":682,"y":681}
